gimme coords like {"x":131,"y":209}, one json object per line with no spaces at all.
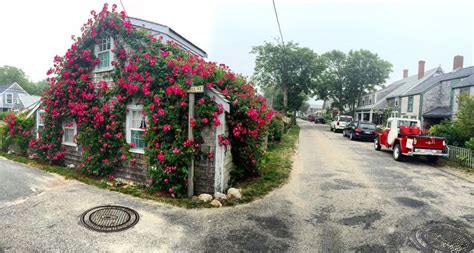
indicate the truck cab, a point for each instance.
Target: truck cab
{"x":405,"y":138}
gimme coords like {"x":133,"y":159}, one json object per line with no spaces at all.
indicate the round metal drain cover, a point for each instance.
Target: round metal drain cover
{"x":109,"y":218}
{"x":442,"y":237}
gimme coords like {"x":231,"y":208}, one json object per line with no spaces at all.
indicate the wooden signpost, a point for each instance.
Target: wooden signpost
{"x":192,"y":91}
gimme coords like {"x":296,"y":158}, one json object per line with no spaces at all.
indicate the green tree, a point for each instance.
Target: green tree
{"x":331,"y":83}
{"x":10,"y":74}
{"x":363,"y":72}
{"x":291,"y":69}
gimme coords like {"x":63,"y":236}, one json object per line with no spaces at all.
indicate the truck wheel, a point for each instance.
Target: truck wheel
{"x":377,"y":144}
{"x":397,"y":154}
{"x":432,"y":159}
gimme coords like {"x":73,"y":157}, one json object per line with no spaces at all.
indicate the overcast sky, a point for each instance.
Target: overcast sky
{"x":402,"y":32}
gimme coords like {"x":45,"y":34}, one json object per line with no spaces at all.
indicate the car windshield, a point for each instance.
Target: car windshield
{"x":345,"y":119}
{"x":367,"y":125}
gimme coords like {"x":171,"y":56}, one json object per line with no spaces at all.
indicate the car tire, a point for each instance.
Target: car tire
{"x":397,"y":153}
{"x":432,"y":159}
{"x":377,"y":144}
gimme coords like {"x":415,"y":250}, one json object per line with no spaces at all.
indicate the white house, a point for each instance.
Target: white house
{"x":9,"y":94}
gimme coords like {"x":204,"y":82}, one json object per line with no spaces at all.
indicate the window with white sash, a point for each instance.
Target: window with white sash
{"x":103,"y":51}
{"x":69,"y":135}
{"x":136,"y":125}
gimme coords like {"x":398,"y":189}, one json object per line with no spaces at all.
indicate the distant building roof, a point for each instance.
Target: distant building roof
{"x":412,"y":82}
{"x":468,"y":81}
{"x":167,"y":31}
{"x":460,"y":73}
{"x":4,"y":87}
{"x":28,"y":100}
{"x":438,"y":112}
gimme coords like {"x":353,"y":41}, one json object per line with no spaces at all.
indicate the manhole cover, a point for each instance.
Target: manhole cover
{"x":442,"y":237}
{"x":109,"y":218}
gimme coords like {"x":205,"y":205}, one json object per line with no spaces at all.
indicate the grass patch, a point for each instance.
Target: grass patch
{"x":275,"y":172}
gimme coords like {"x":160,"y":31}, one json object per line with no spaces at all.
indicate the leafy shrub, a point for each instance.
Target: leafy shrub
{"x":277,"y":126}
{"x":2,"y":115}
{"x":19,"y":131}
{"x":458,"y":132}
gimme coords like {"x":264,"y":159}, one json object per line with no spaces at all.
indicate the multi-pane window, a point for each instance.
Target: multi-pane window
{"x":70,"y":131}
{"x":104,"y":53}
{"x":9,"y":98}
{"x":410,"y":104}
{"x":136,"y":125}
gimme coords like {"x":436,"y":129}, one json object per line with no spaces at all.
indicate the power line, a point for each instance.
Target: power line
{"x":278,"y":21}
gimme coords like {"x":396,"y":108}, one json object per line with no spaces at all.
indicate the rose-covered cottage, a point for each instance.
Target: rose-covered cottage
{"x":118,"y":105}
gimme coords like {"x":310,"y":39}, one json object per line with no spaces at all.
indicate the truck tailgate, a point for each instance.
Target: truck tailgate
{"x":428,"y":142}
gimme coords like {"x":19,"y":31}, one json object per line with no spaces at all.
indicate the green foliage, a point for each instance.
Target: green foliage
{"x":2,"y":115}
{"x":458,"y":132}
{"x":277,"y":126}
{"x":10,"y":74}
{"x":288,"y":68}
{"x":349,"y":76}
{"x":19,"y":132}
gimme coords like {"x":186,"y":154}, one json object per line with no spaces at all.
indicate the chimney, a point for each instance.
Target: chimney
{"x":421,"y":69}
{"x":458,"y":62}
{"x":405,"y":73}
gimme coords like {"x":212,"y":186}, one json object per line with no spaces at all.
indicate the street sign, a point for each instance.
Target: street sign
{"x":196,"y":89}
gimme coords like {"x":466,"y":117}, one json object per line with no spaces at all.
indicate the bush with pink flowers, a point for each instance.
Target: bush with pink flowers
{"x":156,"y":75}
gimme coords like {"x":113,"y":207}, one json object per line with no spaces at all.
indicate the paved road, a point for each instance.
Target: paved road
{"x":342,"y":196}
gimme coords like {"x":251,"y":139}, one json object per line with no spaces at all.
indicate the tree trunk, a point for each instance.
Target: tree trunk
{"x":285,"y":99}
{"x":293,"y":119}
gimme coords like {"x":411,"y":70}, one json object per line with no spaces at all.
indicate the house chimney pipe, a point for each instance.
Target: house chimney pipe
{"x":421,"y":69}
{"x":405,"y":73}
{"x":458,"y":62}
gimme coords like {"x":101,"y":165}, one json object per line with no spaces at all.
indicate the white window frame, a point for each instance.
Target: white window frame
{"x":39,"y":122}
{"x":74,"y":128}
{"x":98,"y":50}
{"x":130,"y":109}
{"x":6,"y":98}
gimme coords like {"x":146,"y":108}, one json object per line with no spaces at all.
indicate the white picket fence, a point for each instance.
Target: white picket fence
{"x":463,"y":156}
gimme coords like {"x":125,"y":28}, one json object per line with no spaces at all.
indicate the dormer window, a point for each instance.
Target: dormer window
{"x":103,"y":51}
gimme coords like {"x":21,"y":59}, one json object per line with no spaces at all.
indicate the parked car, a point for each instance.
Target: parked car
{"x":320,"y":120}
{"x":404,"y":137}
{"x":340,"y":122}
{"x":311,"y":118}
{"x":359,"y":130}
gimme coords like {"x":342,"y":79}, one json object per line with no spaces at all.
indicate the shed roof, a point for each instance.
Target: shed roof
{"x":438,"y":112}
{"x":461,"y":73}
{"x":163,"y":29}
{"x":28,"y":100}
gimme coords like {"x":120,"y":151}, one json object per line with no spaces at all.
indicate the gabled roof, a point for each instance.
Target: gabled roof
{"x":438,"y":112}
{"x":165,"y":30}
{"x":468,"y":81}
{"x":412,"y":82}
{"x":4,"y":87}
{"x":458,"y":74}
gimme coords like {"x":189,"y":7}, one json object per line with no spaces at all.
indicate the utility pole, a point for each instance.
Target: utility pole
{"x":192,"y":91}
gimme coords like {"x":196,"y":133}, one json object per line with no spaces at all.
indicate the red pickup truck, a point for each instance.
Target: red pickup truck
{"x":404,"y":137}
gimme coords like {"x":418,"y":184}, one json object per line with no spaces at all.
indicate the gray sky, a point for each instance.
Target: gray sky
{"x":402,"y":32}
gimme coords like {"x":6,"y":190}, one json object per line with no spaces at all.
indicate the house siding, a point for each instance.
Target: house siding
{"x":438,"y":96}
{"x":456,"y":99}
{"x":404,"y":107}
{"x":15,"y":90}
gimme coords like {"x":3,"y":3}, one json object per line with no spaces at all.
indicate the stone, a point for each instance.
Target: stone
{"x":205,"y":197}
{"x":220,"y":196}
{"x":216,"y":203}
{"x":234,"y":193}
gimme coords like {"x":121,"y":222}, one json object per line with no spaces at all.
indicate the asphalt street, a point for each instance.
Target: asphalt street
{"x":342,"y":196}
